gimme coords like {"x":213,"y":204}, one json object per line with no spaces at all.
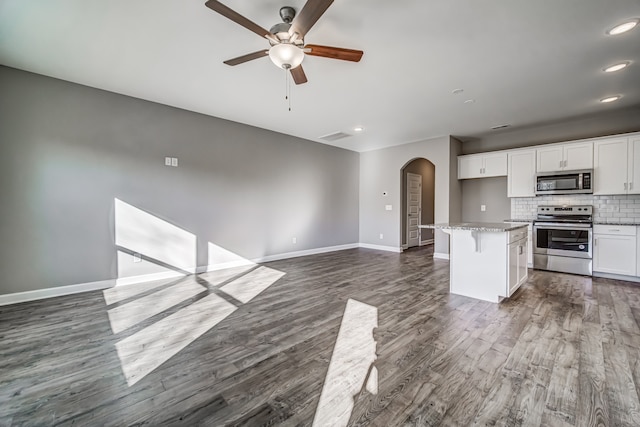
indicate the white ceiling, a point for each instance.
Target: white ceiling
{"x":523,"y":61}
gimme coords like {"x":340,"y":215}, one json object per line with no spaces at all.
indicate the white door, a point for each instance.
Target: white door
{"x":469,"y":166}
{"x":549,"y":159}
{"x":614,"y":254}
{"x":494,"y":165}
{"x":414,"y":207}
{"x":578,"y":156}
{"x":609,"y":169}
{"x":522,"y":174}
{"x":633,"y":171}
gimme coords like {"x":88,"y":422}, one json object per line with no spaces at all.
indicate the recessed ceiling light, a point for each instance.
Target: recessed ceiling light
{"x":469,"y":101}
{"x":457,"y":91}
{"x":623,"y":28}
{"x":617,"y":67}
{"x":610,"y":99}
{"x":358,"y":128}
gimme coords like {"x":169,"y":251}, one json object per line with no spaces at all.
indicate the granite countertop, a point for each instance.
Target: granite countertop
{"x":618,"y":222}
{"x":477,"y":226}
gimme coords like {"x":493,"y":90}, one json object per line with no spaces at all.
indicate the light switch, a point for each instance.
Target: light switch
{"x":388,"y":207}
{"x":167,"y":161}
{"x":174,"y":161}
{"x":483,"y":208}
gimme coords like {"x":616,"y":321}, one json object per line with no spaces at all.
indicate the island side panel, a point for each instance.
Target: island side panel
{"x":478,"y":264}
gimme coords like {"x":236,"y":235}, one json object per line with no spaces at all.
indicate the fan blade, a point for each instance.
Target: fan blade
{"x":248,"y":57}
{"x":298,"y":75}
{"x":308,"y":16}
{"x":334,"y":52}
{"x":223,"y":10}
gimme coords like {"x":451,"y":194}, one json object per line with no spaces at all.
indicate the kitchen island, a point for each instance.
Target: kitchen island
{"x":488,"y":261}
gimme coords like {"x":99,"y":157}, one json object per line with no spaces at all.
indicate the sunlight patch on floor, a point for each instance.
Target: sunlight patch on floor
{"x":134,"y":312}
{"x":247,"y":287}
{"x":351,"y":368}
{"x":144,"y":351}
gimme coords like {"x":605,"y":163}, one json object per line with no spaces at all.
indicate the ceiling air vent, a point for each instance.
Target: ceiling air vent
{"x":500,"y":127}
{"x":334,"y":136}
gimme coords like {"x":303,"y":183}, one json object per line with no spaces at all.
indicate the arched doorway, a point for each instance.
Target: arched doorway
{"x":417,"y":202}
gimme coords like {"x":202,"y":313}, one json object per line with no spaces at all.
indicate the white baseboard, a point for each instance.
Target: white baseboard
{"x":440,"y":255}
{"x":296,"y":254}
{"x":616,"y":276}
{"x":55,"y":292}
{"x":380,"y":247}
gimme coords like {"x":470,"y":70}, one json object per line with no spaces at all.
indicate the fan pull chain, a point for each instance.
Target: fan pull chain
{"x":287,"y":87}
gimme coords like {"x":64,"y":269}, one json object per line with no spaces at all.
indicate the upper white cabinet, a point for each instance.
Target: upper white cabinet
{"x":521,"y":174}
{"x":616,"y":166}
{"x":565,"y":157}
{"x":482,"y":165}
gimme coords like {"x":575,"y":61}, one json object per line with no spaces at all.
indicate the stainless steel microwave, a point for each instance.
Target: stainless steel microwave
{"x":565,"y":182}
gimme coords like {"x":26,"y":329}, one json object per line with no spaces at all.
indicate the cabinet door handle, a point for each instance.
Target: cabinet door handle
{"x":625,"y":185}
{"x":561,"y":163}
{"x":520,"y":250}
{"x":631,"y":186}
{"x":595,"y":242}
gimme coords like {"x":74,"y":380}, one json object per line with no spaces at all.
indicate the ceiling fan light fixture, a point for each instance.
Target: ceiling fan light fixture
{"x":286,"y":55}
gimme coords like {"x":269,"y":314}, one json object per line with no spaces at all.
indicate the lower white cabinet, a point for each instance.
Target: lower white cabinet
{"x":487,"y":265}
{"x":517,"y":262}
{"x":615,"y":250}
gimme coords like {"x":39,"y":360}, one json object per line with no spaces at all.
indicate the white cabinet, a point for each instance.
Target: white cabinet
{"x":516,"y":261}
{"x":482,"y":165}
{"x":615,"y":249}
{"x":565,"y":157}
{"x":530,"y":246}
{"x":617,"y":166}
{"x":521,"y":173}
{"x":488,"y":265}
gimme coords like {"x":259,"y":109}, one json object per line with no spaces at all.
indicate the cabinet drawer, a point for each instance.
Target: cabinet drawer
{"x":519,"y":234}
{"x":621,"y":230}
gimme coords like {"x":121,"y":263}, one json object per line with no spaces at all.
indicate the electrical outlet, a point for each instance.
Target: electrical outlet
{"x":388,"y":207}
{"x":294,"y":240}
{"x":483,"y":208}
{"x":167,"y":161}
{"x":381,"y":236}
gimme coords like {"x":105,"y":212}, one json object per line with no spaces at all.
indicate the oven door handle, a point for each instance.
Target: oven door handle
{"x":561,"y":225}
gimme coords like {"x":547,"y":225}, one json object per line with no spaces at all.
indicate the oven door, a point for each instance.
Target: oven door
{"x":572,"y":240}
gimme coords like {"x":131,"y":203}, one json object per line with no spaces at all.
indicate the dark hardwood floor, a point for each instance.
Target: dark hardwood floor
{"x":206,"y":350}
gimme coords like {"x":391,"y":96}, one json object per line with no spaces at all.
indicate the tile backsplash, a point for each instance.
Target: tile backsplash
{"x":624,"y":208}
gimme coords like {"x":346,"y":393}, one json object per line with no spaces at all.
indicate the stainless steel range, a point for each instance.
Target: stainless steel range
{"x":562,"y":239}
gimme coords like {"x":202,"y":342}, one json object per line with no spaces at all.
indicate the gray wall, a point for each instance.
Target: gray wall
{"x":427,"y":170}
{"x":491,"y":192}
{"x":380,"y":172}
{"x":68,"y":151}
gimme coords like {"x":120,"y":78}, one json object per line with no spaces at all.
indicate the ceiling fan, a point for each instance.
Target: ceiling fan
{"x":287,"y":38}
